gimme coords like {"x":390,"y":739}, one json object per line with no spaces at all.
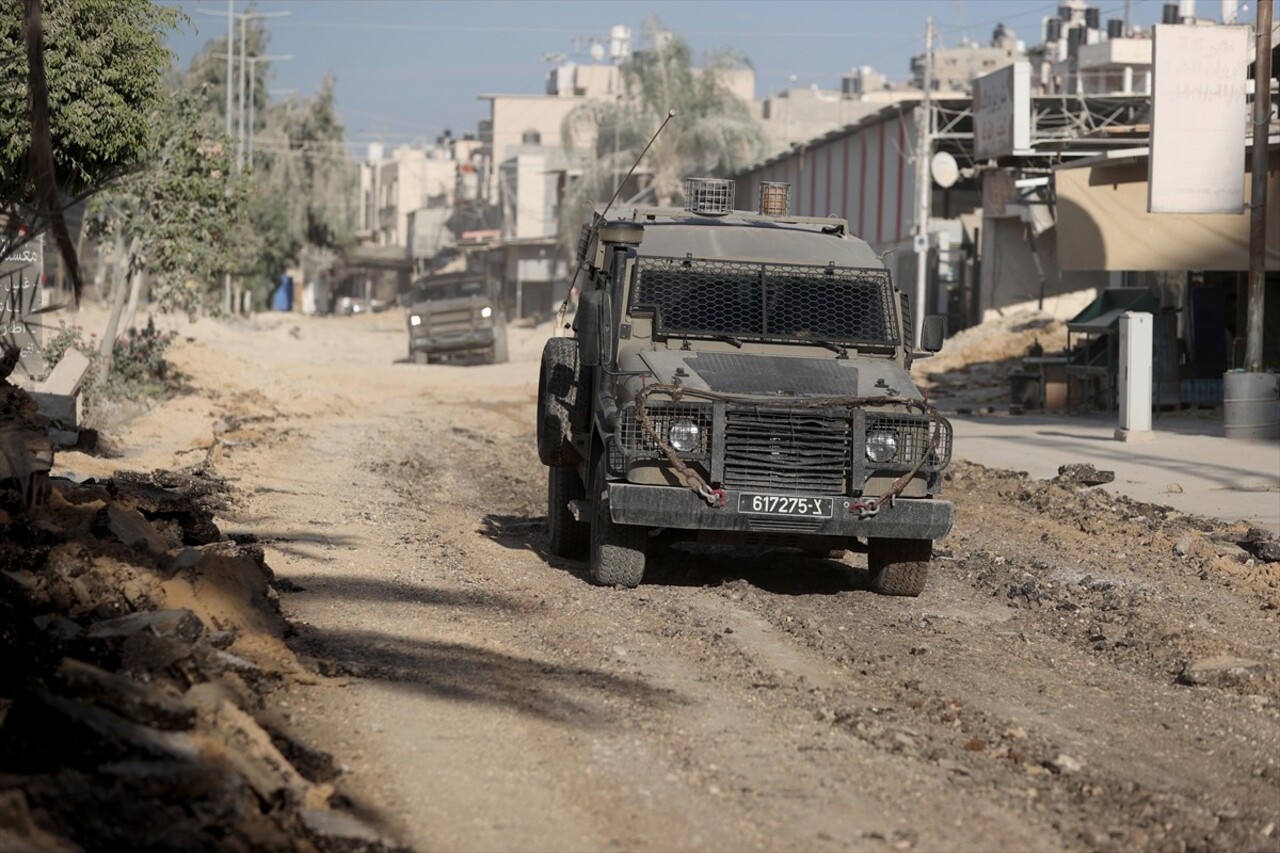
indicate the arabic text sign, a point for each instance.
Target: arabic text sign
{"x":19,"y":298}
{"x":1002,"y":111}
{"x":1198,"y":119}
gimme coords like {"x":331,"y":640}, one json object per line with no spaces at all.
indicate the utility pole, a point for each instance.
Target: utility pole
{"x":244,"y":67}
{"x":924,"y":149}
{"x":253,"y":79}
{"x":231,"y":11}
{"x":1258,"y":202}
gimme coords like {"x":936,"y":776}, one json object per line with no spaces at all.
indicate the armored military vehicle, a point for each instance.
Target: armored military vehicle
{"x":456,"y":316}
{"x":740,"y":377}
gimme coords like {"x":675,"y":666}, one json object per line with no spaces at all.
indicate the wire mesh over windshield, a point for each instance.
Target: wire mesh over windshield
{"x":765,"y":301}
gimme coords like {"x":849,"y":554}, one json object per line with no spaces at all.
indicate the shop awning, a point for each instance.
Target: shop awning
{"x":1103,"y":222}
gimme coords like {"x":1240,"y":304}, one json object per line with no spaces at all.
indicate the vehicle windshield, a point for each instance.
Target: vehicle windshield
{"x":775,"y":302}
{"x":426,"y":289}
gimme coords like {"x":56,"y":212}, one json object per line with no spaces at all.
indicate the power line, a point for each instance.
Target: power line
{"x":443,"y":28}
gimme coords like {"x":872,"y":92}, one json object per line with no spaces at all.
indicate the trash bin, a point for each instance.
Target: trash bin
{"x":1250,"y":405}
{"x":282,"y":296}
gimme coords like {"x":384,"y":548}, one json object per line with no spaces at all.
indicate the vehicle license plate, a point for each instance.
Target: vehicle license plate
{"x":784,"y":505}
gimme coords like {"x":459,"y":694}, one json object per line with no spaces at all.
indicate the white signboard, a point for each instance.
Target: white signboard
{"x":1002,"y":111}
{"x":1198,"y":118}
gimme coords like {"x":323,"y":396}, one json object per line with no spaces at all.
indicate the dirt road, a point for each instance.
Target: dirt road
{"x":1082,"y":673}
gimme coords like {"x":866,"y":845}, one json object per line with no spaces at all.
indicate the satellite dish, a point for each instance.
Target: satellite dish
{"x":597,"y":51}
{"x":944,"y":170}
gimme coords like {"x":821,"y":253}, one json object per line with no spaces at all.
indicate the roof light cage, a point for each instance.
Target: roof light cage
{"x":775,"y":198}
{"x":710,"y":196}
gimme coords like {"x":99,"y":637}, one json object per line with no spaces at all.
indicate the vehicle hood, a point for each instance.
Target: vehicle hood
{"x":780,"y":376}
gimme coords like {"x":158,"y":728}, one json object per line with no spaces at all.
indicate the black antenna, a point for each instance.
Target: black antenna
{"x":564,"y":306}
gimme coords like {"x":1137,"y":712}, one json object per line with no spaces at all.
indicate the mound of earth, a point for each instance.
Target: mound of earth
{"x":138,"y":647}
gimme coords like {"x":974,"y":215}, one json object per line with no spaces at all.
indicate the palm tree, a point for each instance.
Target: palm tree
{"x":713,"y":133}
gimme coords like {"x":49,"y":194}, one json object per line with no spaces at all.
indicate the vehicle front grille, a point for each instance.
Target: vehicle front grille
{"x":451,"y":321}
{"x":786,"y":451}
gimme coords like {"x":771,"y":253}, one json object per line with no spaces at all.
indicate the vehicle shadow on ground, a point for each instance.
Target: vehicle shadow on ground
{"x":459,"y":672}
{"x":351,"y":588}
{"x":784,"y":572}
{"x":779,"y":571}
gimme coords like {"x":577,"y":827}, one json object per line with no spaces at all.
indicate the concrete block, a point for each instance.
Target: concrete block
{"x":61,"y":409}
{"x":66,"y":376}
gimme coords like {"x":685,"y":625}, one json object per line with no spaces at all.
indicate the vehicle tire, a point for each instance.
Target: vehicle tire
{"x":563,"y":402}
{"x":899,"y":566}
{"x":566,"y":536}
{"x":825,"y":553}
{"x":617,"y":550}
{"x":419,"y":357}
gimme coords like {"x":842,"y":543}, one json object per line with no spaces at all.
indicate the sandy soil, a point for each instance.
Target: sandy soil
{"x":1083,"y":672}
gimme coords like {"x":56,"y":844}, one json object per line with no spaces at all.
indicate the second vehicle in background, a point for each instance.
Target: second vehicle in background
{"x":456,"y":316}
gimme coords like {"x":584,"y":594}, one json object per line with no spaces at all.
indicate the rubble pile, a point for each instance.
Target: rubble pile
{"x":137,"y":649}
{"x":975,"y":364}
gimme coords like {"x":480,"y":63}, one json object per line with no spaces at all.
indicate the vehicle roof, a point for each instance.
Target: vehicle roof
{"x":746,"y":236}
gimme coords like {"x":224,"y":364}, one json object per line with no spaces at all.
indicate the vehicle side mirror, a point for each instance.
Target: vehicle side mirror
{"x":932,"y":331}
{"x":588,"y":323}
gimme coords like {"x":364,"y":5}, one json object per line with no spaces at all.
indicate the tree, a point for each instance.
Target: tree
{"x":183,"y":216}
{"x":713,"y":132}
{"x":304,"y":166}
{"x":76,"y":89}
{"x":304,"y":185}
{"x":105,"y":60}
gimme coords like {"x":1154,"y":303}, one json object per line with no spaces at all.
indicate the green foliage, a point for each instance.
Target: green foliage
{"x":141,"y":368}
{"x":712,"y":134}
{"x":184,"y":212}
{"x":301,"y":165}
{"x":139,"y":357}
{"x":105,"y":60}
{"x":303,"y":185}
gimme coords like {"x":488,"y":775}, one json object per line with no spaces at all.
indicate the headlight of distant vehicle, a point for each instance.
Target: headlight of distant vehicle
{"x":486,"y":312}
{"x":882,"y":446}
{"x":415,"y":320}
{"x":684,"y":435}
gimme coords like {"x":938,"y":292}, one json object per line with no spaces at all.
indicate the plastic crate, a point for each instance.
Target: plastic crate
{"x":1202,"y":392}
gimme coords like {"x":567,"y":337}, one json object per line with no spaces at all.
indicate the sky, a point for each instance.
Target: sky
{"x":406,"y":70}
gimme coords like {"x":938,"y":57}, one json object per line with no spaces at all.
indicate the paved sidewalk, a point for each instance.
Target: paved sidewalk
{"x":1187,"y":465}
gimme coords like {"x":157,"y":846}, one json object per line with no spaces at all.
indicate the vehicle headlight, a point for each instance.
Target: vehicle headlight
{"x":684,"y":435}
{"x":486,"y":312}
{"x":882,"y":446}
{"x":415,"y":320}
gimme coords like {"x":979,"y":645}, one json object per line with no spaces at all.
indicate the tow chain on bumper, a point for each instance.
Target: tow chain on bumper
{"x":717,"y":498}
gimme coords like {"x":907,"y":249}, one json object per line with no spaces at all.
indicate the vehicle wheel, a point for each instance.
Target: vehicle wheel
{"x":419,"y":357}
{"x":617,"y":550}
{"x":899,"y":566}
{"x":824,"y":553}
{"x":566,"y":536}
{"x":563,"y":402}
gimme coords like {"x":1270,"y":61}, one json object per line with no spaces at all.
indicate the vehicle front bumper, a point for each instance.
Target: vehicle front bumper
{"x":451,"y":342}
{"x":681,"y":509}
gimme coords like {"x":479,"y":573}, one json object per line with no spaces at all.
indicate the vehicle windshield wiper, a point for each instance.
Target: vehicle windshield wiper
{"x":840,"y":350}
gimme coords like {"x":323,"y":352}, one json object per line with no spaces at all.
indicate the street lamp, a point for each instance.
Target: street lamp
{"x":253,"y":79}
